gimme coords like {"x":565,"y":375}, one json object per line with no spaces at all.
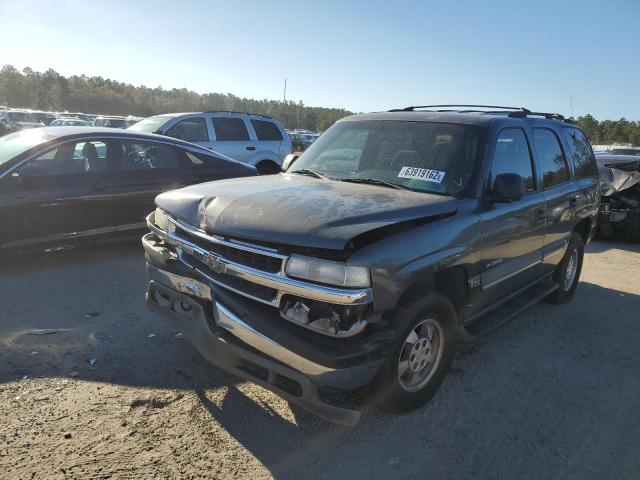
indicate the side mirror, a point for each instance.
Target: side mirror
{"x":289,"y":160}
{"x":508,"y":187}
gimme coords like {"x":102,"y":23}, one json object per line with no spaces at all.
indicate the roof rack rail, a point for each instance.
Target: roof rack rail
{"x":451,"y":108}
{"x":238,"y":113}
{"x":516,"y":112}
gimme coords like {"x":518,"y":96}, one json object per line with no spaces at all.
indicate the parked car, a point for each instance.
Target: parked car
{"x":19,"y":119}
{"x":81,"y":116}
{"x":111,"y":121}
{"x":60,"y":186}
{"x":392,"y":236}
{"x":620,"y":206}
{"x":69,"y":122}
{"x":257,"y":140}
{"x":45,"y":117}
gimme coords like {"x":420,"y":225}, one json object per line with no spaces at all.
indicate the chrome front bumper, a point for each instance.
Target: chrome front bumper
{"x":278,"y":281}
{"x":228,"y":342}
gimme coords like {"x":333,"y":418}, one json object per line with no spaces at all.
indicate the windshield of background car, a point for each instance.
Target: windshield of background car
{"x":14,"y":144}
{"x":151,"y":124}
{"x":423,"y":156}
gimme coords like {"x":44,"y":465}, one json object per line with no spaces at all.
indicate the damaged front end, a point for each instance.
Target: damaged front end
{"x":619,"y":214}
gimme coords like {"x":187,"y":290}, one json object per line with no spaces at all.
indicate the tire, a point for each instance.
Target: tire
{"x":572,"y":261}
{"x":267,"y":167}
{"x":393,"y":391}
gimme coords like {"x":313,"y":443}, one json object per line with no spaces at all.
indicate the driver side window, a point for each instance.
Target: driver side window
{"x":68,"y":159}
{"x":512,"y":155}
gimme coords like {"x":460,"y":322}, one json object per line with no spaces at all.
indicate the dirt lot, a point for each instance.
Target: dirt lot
{"x":554,"y":394}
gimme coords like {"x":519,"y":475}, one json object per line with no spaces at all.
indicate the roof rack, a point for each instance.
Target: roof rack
{"x":517,"y":112}
{"x":449,"y":108}
{"x":238,"y":113}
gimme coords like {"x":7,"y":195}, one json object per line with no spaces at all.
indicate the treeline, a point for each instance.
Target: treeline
{"x":610,"y":131}
{"x":51,"y":91}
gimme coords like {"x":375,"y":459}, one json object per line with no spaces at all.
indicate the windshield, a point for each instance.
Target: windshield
{"x":422,"y":156}
{"x":151,"y":124}
{"x":19,"y":142}
{"x":22,"y":117}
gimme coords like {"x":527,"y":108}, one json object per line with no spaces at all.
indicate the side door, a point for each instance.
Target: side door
{"x":513,"y":232}
{"x":232,"y":138}
{"x":269,"y":137}
{"x":585,"y":171}
{"x":58,"y":195}
{"x":147,"y":168}
{"x":560,"y":193}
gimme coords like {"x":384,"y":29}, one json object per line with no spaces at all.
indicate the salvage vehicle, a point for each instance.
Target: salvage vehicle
{"x":257,"y":140}
{"x":620,"y":205}
{"x":61,"y":186}
{"x":388,"y":239}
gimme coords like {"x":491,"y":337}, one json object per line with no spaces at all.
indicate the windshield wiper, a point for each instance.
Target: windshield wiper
{"x":312,"y":173}
{"x":373,"y":181}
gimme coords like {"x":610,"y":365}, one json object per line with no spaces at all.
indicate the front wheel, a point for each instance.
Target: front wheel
{"x":421,"y":356}
{"x":567,"y":273}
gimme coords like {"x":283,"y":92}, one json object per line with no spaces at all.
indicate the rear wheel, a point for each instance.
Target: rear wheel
{"x":567,"y":273}
{"x":421,"y":356}
{"x":267,"y":167}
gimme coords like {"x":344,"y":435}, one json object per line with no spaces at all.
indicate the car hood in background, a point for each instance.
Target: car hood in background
{"x":298,"y":210}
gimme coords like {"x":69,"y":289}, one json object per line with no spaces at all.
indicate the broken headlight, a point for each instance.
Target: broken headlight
{"x":162,"y":221}
{"x":326,"y":271}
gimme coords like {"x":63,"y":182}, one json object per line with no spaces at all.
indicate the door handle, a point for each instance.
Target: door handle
{"x":251,"y":148}
{"x":541,"y":215}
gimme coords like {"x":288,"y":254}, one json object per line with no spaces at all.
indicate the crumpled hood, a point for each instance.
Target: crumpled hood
{"x":614,"y":180}
{"x":298,"y":210}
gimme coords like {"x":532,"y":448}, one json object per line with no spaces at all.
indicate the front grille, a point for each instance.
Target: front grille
{"x":249,"y":288}
{"x":237,"y":255}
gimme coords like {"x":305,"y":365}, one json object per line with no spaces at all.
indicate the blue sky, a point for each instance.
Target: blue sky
{"x":363,"y":56}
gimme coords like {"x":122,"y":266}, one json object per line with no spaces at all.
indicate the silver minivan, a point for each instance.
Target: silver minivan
{"x":257,"y":140}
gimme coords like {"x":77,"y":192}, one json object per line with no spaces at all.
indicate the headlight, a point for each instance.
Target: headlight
{"x":325,"y":271}
{"x":162,"y":221}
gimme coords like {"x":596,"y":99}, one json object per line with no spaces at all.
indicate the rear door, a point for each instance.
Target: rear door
{"x":61,"y":194}
{"x":512,"y":233}
{"x":232,"y":138}
{"x":147,"y":168}
{"x":561,"y":195}
{"x":269,"y":137}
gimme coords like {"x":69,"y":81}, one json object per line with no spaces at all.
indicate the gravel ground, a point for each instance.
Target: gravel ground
{"x":553,"y":394}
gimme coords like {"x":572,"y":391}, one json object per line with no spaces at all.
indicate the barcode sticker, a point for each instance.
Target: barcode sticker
{"x":424,"y":174}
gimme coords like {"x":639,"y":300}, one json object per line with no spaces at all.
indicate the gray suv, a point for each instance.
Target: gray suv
{"x":390,"y":238}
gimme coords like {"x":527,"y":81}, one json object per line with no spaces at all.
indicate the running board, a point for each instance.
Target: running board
{"x":494,"y":319}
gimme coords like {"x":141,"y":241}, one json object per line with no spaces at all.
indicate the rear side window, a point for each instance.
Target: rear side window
{"x":230,"y":129}
{"x":550,"y":157}
{"x":266,"y":130}
{"x":512,"y":156}
{"x":137,"y":155}
{"x":584,"y":162}
{"x":190,"y":130}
